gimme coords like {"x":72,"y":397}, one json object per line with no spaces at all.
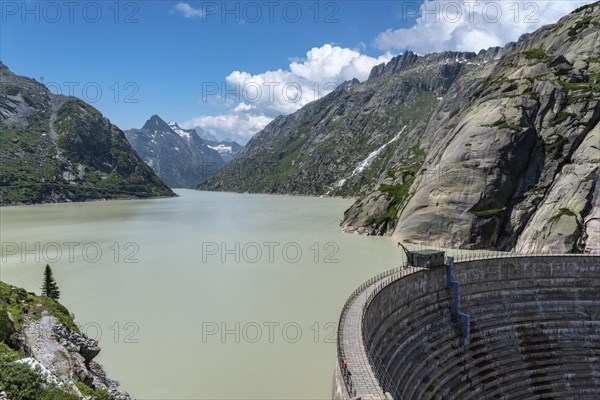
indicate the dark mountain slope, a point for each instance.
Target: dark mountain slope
{"x":57,"y":148}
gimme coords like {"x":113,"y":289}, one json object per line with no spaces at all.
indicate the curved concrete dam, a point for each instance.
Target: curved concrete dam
{"x":508,"y":328}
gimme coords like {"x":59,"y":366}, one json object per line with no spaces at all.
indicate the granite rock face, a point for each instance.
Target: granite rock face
{"x":376,"y":212}
{"x":514,"y":152}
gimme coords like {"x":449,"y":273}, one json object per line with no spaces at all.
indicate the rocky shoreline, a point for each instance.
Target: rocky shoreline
{"x":67,"y":355}
{"x":62,"y":356}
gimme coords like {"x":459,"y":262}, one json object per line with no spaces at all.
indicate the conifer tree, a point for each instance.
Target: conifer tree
{"x":49,"y":287}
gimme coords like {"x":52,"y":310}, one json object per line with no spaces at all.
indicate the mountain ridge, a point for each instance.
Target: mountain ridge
{"x":55,"y":148}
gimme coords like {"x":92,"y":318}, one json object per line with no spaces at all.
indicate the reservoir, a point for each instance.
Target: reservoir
{"x":203,"y":296}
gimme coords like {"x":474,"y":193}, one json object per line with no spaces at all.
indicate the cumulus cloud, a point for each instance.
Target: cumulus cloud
{"x":243,"y":107}
{"x":469,"y":25}
{"x":188,"y":11}
{"x":258,"y":98}
{"x":236,"y":126}
{"x":334,"y":63}
{"x":285,"y":91}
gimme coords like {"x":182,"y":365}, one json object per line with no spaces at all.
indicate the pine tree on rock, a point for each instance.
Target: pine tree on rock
{"x":49,"y":287}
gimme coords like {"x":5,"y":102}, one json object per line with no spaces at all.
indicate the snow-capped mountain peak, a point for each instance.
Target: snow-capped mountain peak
{"x":183,"y":133}
{"x":177,"y":155}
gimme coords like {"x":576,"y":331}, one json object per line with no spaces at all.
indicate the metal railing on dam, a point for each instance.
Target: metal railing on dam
{"x":362,"y":382}
{"x":363,"y":368}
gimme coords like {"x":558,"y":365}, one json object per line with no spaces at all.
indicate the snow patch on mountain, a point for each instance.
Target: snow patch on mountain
{"x":367,"y":161}
{"x":181,"y":132}
{"x":222,"y":149}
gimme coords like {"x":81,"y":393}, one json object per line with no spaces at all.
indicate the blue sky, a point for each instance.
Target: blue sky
{"x":176,"y":58}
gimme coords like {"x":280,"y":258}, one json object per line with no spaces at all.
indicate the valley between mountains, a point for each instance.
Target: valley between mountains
{"x":497,"y":149}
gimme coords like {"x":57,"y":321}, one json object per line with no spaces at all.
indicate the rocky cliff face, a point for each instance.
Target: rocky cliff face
{"x":57,"y":148}
{"x":42,"y":353}
{"x":177,"y":155}
{"x":376,"y":212}
{"x":516,"y":164}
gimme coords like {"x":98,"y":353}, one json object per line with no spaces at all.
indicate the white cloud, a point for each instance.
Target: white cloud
{"x":285,"y":91}
{"x":333,"y":63}
{"x":236,"y":126}
{"x":243,"y":107}
{"x":261,"y":97}
{"x":188,"y":11}
{"x":469,"y":25}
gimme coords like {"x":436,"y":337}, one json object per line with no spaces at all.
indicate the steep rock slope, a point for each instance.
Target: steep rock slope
{"x":513,"y":162}
{"x":340,"y":143}
{"x":43,"y":355}
{"x":177,"y":155}
{"x":57,"y":148}
{"x":375,"y":213}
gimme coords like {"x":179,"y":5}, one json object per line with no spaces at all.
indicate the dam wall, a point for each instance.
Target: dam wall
{"x":534,"y":332}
